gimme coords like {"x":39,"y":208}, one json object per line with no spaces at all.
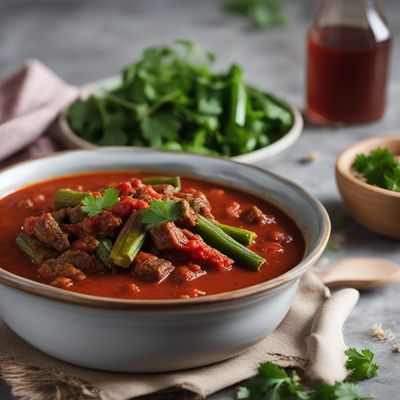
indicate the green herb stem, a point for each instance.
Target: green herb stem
{"x":165,"y":99}
{"x":237,"y":116}
{"x":120,"y":101}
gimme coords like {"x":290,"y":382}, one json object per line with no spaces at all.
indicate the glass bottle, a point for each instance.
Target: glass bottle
{"x":348,"y":62}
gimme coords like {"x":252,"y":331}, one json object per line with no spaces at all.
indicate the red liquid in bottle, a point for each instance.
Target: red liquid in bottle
{"x":347,"y":75}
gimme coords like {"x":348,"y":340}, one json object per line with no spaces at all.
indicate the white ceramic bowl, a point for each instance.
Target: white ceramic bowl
{"x":74,"y":141}
{"x":157,"y":335}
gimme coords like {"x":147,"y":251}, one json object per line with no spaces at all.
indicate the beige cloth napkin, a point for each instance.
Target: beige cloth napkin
{"x":310,"y":338}
{"x":30,"y":101}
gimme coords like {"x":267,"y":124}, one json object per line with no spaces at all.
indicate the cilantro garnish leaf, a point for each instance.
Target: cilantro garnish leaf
{"x":94,"y":205}
{"x":161,"y":211}
{"x":360,"y":364}
{"x":380,"y":168}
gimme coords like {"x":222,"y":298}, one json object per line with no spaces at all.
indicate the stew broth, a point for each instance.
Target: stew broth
{"x":280,"y":257}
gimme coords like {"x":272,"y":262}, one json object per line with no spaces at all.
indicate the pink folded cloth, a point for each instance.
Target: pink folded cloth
{"x":30,"y":101}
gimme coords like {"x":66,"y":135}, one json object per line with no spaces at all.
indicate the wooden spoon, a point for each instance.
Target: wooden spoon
{"x":361,"y":273}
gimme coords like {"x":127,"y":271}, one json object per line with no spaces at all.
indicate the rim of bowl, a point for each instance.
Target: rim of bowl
{"x":344,"y":169}
{"x":40,"y":289}
{"x":263,"y":153}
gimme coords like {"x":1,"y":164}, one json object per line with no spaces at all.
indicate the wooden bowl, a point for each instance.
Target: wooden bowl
{"x":375,"y":208}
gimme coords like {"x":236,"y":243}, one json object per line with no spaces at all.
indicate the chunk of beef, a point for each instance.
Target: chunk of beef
{"x":147,"y":193}
{"x":151,"y":268}
{"x":198,"y":201}
{"x":234,"y":209}
{"x":54,"y":268}
{"x":29,"y":225}
{"x":188,"y":218}
{"x":26,"y":203}
{"x":198,"y":194}
{"x":188,"y":246}
{"x":49,"y":232}
{"x":192,"y":292}
{"x":166,"y":190}
{"x":38,"y":201}
{"x":254,"y":215}
{"x":104,"y":225}
{"x":280,"y":236}
{"x":88,"y":244}
{"x":75,"y":214}
{"x":168,"y":237}
{"x":59,"y":215}
{"x":88,"y":263}
{"x":187,"y":273}
{"x":62,"y":282}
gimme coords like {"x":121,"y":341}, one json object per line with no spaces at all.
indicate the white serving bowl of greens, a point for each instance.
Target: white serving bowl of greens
{"x":171,"y":99}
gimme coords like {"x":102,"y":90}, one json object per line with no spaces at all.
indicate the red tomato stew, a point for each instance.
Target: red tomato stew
{"x":132,"y":235}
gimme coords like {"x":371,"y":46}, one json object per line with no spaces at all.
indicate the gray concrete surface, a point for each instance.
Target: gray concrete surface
{"x":83,"y":40}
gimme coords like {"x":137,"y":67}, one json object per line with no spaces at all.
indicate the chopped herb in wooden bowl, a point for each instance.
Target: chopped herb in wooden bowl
{"x":380,"y":168}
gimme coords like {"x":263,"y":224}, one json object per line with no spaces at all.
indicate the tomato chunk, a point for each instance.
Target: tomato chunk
{"x":127,"y":205}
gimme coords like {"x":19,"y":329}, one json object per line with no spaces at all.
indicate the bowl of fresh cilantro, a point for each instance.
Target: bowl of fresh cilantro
{"x":368,"y":178}
{"x":172,"y":99}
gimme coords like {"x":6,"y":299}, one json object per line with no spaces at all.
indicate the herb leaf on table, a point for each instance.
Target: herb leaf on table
{"x":360,"y":364}
{"x":274,"y":383}
{"x":338,"y":391}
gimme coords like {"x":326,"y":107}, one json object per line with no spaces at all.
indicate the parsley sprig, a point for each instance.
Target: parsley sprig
{"x":380,"y":168}
{"x":94,"y":205}
{"x":161,"y":211}
{"x":360,"y":364}
{"x":274,"y":383}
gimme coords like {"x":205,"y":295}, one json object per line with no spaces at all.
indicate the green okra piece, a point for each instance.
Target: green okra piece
{"x":129,"y":241}
{"x":34,"y":248}
{"x":69,"y":197}
{"x":175,"y":181}
{"x":241,"y":235}
{"x":217,"y":238}
{"x":103,"y":251}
